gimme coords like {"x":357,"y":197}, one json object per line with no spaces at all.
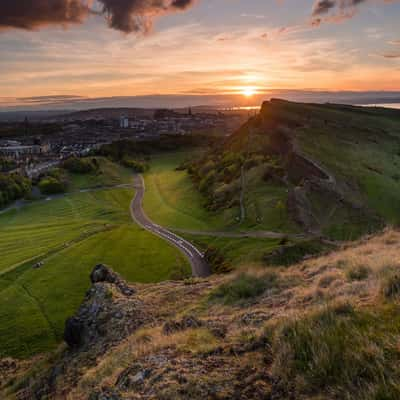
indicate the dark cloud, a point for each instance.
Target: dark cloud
{"x":31,"y":14}
{"x":137,"y":15}
{"x":124,"y":15}
{"x":325,"y":6}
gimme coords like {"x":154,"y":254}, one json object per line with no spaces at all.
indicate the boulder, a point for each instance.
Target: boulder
{"x":102,"y":273}
{"x":74,"y":332}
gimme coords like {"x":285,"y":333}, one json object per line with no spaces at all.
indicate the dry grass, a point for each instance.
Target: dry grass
{"x":248,"y":303}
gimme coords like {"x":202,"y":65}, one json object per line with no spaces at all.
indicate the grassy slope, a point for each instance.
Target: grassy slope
{"x":315,"y":330}
{"x":359,"y":146}
{"x":366,"y":150}
{"x":238,"y":252}
{"x":262,"y":202}
{"x":172,"y":201}
{"x":70,"y":234}
{"x":108,"y":174}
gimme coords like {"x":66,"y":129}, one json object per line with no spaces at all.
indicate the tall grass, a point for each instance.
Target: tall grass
{"x":341,"y":351}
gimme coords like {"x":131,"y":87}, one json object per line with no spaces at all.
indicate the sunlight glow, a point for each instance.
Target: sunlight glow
{"x":249,"y":91}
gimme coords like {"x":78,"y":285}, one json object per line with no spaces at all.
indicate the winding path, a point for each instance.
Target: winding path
{"x":199,"y":266}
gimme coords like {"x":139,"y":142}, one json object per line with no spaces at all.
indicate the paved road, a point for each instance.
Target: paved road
{"x":199,"y":266}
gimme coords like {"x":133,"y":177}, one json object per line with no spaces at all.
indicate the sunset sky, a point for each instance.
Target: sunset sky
{"x":206,"y":47}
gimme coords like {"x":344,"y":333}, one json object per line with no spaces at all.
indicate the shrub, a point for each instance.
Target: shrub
{"x":337,"y":351}
{"x":391,"y":287}
{"x":7,"y":165}
{"x":216,"y":260}
{"x":358,"y":273}
{"x":51,"y":185}
{"x":326,"y":280}
{"x":207,"y":182}
{"x":13,"y":187}
{"x":137,"y":166}
{"x":291,"y":254}
{"x":80,"y":165}
{"x":207,"y":168}
{"x":243,"y":287}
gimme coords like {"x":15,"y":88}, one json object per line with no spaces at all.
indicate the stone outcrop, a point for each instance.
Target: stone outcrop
{"x":109,"y":313}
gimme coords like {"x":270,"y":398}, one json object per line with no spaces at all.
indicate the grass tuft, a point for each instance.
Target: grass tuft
{"x":390,"y":287}
{"x":341,"y":351}
{"x":244,"y":288}
{"x":358,"y":273}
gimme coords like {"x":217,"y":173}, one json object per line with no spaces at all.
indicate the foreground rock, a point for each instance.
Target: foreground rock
{"x":109,"y":313}
{"x":252,"y":335}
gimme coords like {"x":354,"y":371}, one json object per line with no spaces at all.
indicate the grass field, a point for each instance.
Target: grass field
{"x":108,"y":174}
{"x":70,"y":235}
{"x":171,"y":199}
{"x":238,"y":252}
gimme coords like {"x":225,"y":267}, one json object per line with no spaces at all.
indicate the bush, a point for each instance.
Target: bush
{"x":391,"y":287}
{"x":80,"y":165}
{"x":13,"y":187}
{"x":7,"y":165}
{"x":291,"y":254}
{"x":358,"y":273}
{"x":216,"y":260}
{"x":51,"y":185}
{"x":243,"y":287}
{"x":340,"y":352}
{"x":137,"y":166}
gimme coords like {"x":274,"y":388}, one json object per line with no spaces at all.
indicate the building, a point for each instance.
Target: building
{"x":17,"y":152}
{"x":123,"y":122}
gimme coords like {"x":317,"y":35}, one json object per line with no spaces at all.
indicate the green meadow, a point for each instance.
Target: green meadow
{"x":108,"y":174}
{"x":172,"y":200}
{"x":69,"y":234}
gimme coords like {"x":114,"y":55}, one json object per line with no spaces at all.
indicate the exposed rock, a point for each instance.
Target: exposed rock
{"x":104,"y":313}
{"x":104,"y":394}
{"x":103,"y":273}
{"x":185,"y":323}
{"x":74,"y":332}
{"x":133,"y":377}
{"x":108,"y":314}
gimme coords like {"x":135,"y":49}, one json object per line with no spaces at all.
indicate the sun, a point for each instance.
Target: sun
{"x":249,"y":91}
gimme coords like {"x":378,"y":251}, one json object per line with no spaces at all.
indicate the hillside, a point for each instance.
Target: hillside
{"x":326,"y":328}
{"x":49,"y":246}
{"x":326,"y":170}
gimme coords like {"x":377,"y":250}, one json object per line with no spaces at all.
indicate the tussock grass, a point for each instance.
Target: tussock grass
{"x":390,"y":288}
{"x":244,"y":287}
{"x":358,"y":273}
{"x":339,"y":350}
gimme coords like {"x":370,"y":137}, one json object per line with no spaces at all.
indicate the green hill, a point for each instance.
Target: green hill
{"x":324,"y":169}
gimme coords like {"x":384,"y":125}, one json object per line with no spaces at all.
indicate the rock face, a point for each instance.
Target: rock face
{"x":103,"y":273}
{"x":109,"y":313}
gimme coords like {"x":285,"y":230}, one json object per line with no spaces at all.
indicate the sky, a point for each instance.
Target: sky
{"x":62,"y":52}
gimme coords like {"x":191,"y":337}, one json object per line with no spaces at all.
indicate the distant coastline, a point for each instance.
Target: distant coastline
{"x":385,"y":105}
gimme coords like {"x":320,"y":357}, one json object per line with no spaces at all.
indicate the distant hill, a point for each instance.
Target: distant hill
{"x":18,"y":116}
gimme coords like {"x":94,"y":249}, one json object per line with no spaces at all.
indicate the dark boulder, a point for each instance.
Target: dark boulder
{"x":102,"y":273}
{"x":74,"y":332}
